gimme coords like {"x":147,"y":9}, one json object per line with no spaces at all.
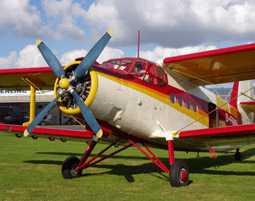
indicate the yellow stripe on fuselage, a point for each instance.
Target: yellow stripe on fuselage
{"x":224,"y":105}
{"x":199,"y":116}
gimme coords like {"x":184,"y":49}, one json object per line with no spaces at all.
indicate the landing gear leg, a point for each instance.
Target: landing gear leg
{"x":73,"y":166}
{"x":179,"y":171}
{"x":238,"y":155}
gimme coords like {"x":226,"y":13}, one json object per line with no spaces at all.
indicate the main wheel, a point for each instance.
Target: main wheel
{"x":179,"y":175}
{"x":68,"y":167}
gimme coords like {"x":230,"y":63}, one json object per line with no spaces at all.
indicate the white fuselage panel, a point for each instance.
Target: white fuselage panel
{"x":137,"y":113}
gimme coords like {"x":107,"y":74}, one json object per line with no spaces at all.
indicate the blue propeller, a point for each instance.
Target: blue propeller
{"x":92,"y":55}
{"x":79,"y":72}
{"x":50,"y":59}
{"x":41,"y":115}
{"x":86,"y":113}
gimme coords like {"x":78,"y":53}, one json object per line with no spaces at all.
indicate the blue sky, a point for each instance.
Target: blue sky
{"x":168,"y":28}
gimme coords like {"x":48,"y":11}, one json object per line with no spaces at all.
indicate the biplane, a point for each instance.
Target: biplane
{"x":133,"y":102}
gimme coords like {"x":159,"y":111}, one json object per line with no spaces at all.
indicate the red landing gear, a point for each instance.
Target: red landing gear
{"x":72,"y":166}
{"x":179,"y":171}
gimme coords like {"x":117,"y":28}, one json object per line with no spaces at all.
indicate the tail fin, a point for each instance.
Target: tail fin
{"x":234,"y":95}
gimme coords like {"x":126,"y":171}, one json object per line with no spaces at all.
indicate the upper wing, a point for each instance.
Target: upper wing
{"x":215,"y":66}
{"x":18,"y":78}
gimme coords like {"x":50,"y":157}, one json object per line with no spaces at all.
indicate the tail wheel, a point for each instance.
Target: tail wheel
{"x":68,"y":167}
{"x":179,"y":175}
{"x":238,"y":155}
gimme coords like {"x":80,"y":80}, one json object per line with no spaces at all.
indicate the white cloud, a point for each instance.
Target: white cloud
{"x":108,"y":53}
{"x":71,"y":55}
{"x":67,"y":13}
{"x":55,"y":19}
{"x":175,"y":23}
{"x":20,"y":16}
{"x":30,"y":56}
{"x":159,"y":53}
{"x":9,"y":60}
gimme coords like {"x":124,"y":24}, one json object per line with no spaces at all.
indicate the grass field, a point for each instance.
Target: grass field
{"x":30,"y":170}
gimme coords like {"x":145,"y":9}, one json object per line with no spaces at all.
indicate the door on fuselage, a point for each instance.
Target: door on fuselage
{"x":213,"y":115}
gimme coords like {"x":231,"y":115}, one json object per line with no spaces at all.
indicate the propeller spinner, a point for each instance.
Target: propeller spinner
{"x":70,"y":84}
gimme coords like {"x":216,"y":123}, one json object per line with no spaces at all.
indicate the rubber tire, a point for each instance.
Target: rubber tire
{"x":18,"y":135}
{"x":68,"y":166}
{"x":175,"y":174}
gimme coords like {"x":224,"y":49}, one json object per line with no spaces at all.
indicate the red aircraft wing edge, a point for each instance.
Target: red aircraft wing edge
{"x":26,"y":70}
{"x":247,"y":129}
{"x":57,"y":132}
{"x":215,"y":52}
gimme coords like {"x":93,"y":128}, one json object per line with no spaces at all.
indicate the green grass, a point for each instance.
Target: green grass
{"x":30,"y":170}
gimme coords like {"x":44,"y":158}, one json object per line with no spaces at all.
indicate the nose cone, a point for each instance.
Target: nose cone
{"x":64,"y":83}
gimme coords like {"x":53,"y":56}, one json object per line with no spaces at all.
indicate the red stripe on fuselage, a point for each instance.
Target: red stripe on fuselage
{"x":166,"y":89}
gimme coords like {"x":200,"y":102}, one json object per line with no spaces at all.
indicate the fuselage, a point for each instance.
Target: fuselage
{"x":137,"y":97}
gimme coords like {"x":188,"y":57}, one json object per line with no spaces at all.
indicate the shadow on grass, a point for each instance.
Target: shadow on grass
{"x":197,"y":165}
{"x":128,"y":171}
{"x":79,"y":154}
{"x":44,"y":162}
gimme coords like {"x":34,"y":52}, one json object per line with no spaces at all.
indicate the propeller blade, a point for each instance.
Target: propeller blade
{"x":50,"y":59}
{"x":88,"y":115}
{"x":92,"y":55}
{"x":40,"y":117}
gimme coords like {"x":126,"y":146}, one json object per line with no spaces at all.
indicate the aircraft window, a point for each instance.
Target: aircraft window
{"x":119,"y":67}
{"x":160,"y":77}
{"x":179,"y":99}
{"x":172,"y":98}
{"x":121,"y":64}
{"x":147,"y":78}
{"x":194,"y":107}
{"x":139,"y":67}
{"x":188,"y":104}
{"x":160,"y":72}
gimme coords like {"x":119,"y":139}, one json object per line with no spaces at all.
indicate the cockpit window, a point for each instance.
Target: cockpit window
{"x":121,"y":64}
{"x":139,"y":67}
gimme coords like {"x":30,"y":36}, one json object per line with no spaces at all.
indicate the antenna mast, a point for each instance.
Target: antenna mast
{"x":138,"y":43}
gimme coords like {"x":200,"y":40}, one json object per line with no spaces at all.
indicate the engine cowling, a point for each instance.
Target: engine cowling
{"x":86,"y":87}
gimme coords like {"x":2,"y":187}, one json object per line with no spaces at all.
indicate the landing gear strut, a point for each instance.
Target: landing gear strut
{"x":179,"y":171}
{"x":72,"y":166}
{"x":238,"y":155}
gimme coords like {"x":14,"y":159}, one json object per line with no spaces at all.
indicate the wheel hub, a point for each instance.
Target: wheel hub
{"x":184,"y":175}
